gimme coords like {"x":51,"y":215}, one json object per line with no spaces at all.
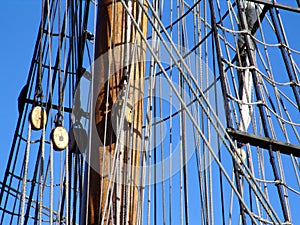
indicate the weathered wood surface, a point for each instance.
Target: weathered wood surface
{"x":110,"y":37}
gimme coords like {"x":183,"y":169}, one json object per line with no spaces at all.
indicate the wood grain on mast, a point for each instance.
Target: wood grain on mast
{"x":117,"y":36}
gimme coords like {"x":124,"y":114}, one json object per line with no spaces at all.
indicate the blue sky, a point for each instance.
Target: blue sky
{"x":19,"y":22}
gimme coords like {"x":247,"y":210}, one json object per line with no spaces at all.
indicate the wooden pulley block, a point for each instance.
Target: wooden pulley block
{"x":60,"y":138}
{"x":38,"y":118}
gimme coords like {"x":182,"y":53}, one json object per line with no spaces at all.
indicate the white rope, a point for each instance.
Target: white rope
{"x":24,"y":180}
{"x":86,"y":183}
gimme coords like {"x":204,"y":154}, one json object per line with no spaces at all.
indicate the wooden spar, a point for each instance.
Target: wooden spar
{"x":114,"y":30}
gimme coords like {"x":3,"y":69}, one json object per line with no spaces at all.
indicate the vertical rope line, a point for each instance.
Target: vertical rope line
{"x":24,"y":180}
{"x":122,"y":189}
{"x":149,"y":118}
{"x":147,"y":151}
{"x":141,"y":203}
{"x":61,"y":183}
{"x":91,"y":123}
{"x":72,"y":84}
{"x":148,"y":141}
{"x":150,"y":106}
{"x":200,"y":119}
{"x":59,"y":59}
{"x":67,"y":188}
{"x":211,"y":201}
{"x":42,"y":143}
{"x":162,"y":153}
{"x":39,"y":90}
{"x":50,"y":92}
{"x":117,"y":188}
{"x":128,"y":193}
{"x":171,"y":127}
{"x":50,"y":29}
{"x":129,"y":170}
{"x":216,"y":104}
{"x":155,"y":105}
{"x":51,"y":183}
{"x":42,"y":179}
{"x":185,"y":45}
{"x":218,"y":145}
{"x":204,"y":128}
{"x":62,"y":194}
{"x":39,"y":94}
{"x":50,"y":98}
{"x":230,"y":210}
{"x":155,"y":148}
{"x":180,"y":122}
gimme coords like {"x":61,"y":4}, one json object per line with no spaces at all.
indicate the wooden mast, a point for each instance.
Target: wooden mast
{"x":114,"y":31}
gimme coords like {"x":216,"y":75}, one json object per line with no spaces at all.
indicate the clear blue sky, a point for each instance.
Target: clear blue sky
{"x":19,"y":22}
